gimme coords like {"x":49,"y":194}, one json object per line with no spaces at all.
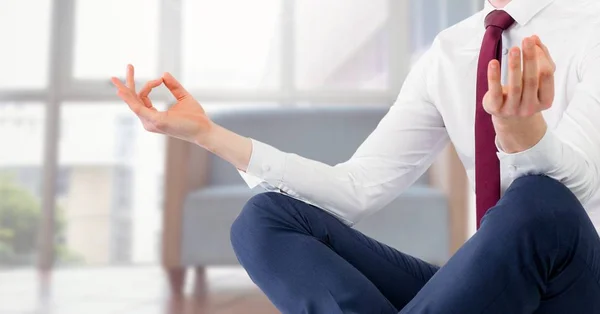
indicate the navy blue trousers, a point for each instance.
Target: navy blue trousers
{"x":536,"y":252}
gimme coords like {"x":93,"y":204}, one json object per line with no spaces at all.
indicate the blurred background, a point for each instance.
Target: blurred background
{"x":83,"y":186}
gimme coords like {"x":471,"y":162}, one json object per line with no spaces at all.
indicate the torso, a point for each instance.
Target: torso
{"x":452,"y":80}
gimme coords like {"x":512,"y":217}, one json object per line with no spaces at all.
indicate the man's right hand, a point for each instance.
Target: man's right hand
{"x":185,"y":120}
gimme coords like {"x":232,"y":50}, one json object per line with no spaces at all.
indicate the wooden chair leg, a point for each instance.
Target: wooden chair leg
{"x":200,"y":282}
{"x":175,"y":305}
{"x":176,"y":277}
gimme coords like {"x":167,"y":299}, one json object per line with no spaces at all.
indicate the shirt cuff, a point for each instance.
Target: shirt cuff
{"x":250,"y":180}
{"x":542,"y":158}
{"x":267,"y":165}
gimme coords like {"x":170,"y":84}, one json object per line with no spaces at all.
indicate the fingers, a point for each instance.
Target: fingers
{"x":546,"y":92}
{"x":530,"y":87}
{"x":546,"y":85}
{"x":547,"y":52}
{"x":547,"y":67}
{"x":118,"y":84}
{"x":529,"y":99}
{"x":131,"y":99}
{"x":493,"y":99}
{"x":515,"y":82}
{"x":130,"y":77}
{"x":543,"y":47}
{"x":145,"y":92}
{"x":174,"y":86}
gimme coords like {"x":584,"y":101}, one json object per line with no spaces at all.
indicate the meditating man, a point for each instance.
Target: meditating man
{"x":527,"y":128}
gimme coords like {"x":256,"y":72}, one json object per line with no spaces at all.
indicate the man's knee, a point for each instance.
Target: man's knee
{"x":541,"y":189}
{"x":538,"y":205}
{"x":259,"y":214}
{"x":257,"y":208}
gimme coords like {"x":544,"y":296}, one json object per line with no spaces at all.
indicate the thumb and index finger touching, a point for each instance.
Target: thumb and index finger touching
{"x":170,"y":82}
{"x":174,"y":86}
{"x":141,"y":103}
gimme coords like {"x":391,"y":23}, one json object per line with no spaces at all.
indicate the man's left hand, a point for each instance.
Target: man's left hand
{"x":516,"y":108}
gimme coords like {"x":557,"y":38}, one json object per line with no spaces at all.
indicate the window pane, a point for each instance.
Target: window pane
{"x":110,"y":34}
{"x":20,"y":181}
{"x":458,"y":10}
{"x":24,"y":34}
{"x":231,"y":44}
{"x":341,"y":44}
{"x":427,"y":21}
{"x":110,"y":192}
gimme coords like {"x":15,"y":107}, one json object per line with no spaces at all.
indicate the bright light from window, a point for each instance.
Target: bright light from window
{"x":231,"y":44}
{"x":111,"y":33}
{"x":21,"y":129}
{"x":24,"y":34}
{"x":341,"y":44}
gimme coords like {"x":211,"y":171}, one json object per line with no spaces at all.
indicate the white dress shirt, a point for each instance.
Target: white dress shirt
{"x":437,"y":104}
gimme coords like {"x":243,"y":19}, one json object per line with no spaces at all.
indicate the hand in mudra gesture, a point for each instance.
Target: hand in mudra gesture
{"x":530,"y":87}
{"x":185,"y":120}
{"x":517,"y":107}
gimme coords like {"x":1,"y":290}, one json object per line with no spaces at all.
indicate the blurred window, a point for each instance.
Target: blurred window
{"x":232,"y":54}
{"x":24,"y":34}
{"x":20,"y":183}
{"x":429,"y":17}
{"x":341,"y":44}
{"x":113,"y":176}
{"x":111,"y":33}
{"x":231,"y":44}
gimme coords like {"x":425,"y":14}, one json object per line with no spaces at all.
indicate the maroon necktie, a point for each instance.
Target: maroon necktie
{"x":487,"y":165}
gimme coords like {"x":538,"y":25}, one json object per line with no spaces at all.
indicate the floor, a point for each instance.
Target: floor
{"x":131,"y":290}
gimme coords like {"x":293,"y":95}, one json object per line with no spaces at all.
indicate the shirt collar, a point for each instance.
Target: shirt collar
{"x":520,"y":10}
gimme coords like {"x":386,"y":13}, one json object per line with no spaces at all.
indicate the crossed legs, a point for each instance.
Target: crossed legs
{"x":536,"y":252}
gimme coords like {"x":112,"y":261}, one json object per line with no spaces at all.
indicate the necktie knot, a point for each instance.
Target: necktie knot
{"x":499,"y":19}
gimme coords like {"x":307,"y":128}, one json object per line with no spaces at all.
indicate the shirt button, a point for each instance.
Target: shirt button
{"x":266,"y":168}
{"x":505,"y":51}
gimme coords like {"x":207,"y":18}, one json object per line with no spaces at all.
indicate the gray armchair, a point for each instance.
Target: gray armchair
{"x":201,"y":210}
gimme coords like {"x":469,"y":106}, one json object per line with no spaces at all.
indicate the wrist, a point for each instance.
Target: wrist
{"x":231,"y":147}
{"x":207,"y":138}
{"x":520,"y":134}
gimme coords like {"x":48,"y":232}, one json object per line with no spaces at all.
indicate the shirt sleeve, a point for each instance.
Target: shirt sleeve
{"x":393,"y":157}
{"x":571,"y":152}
